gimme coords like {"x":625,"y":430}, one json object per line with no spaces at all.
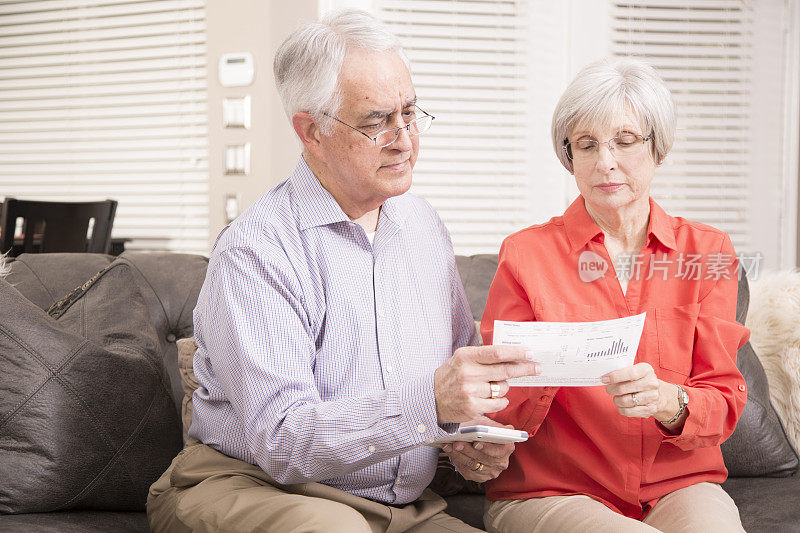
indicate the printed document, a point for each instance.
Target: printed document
{"x":573,"y":354}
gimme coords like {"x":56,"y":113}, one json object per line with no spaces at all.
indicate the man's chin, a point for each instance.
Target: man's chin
{"x":398,"y":180}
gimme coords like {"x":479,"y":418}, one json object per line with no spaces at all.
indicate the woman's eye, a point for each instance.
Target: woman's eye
{"x":626,"y":139}
{"x":584,"y":145}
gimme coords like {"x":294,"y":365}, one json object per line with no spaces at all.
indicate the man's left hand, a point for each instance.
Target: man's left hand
{"x":468,"y":457}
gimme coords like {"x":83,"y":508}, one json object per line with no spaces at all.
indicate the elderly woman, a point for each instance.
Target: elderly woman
{"x":643,"y":452}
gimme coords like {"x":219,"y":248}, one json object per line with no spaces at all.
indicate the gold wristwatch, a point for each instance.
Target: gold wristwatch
{"x":683,"y":401}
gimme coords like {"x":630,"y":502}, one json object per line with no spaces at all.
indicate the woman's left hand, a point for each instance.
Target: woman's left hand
{"x":638,"y":393}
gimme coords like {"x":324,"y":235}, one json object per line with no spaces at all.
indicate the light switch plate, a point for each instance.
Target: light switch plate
{"x":237,"y":159}
{"x":231,"y":207}
{"x":236,"y":112}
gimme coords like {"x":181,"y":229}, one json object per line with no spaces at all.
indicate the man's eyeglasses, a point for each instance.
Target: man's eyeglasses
{"x":587,"y":150}
{"x":417,"y":126}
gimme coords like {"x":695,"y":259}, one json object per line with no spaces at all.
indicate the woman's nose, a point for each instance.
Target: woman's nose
{"x":606,"y":161}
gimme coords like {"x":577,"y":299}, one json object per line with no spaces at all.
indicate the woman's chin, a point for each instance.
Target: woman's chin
{"x":606,"y":201}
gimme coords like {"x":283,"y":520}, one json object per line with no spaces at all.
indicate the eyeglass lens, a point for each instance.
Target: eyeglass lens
{"x":621,"y":146}
{"x":415,"y":127}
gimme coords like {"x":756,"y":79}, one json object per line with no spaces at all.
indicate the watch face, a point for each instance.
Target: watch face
{"x":684,"y":397}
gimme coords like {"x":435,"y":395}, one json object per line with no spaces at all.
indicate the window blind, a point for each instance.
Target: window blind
{"x":470,"y":65}
{"x":703,"y":50}
{"x":107,"y":99}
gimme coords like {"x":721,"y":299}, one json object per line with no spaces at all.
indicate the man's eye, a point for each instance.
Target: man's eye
{"x":373,"y":126}
{"x":409,"y":115}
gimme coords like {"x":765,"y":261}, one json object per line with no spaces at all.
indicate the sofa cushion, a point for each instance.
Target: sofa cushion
{"x":766,"y":504}
{"x":186,"y":349}
{"x":76,"y":521}
{"x":86,"y":416}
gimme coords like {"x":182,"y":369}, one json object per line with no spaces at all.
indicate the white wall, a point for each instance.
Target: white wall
{"x":258,"y":27}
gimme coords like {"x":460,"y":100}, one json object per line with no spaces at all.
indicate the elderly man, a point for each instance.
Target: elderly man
{"x":334,"y":337}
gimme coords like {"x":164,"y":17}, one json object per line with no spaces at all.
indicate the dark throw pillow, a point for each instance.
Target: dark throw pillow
{"x":758,"y":446}
{"x":86,"y":416}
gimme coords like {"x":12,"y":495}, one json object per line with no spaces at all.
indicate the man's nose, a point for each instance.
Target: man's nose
{"x":403,"y":140}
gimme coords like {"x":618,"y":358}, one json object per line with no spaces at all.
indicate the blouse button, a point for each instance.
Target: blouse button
{"x":742,"y":388}
{"x":544,"y":398}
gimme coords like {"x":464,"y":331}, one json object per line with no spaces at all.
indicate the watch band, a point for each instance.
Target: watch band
{"x":683,"y":401}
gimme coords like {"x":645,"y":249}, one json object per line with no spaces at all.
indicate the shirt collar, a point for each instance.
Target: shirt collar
{"x":581,"y":229}
{"x":661,"y":226}
{"x":315,"y":206}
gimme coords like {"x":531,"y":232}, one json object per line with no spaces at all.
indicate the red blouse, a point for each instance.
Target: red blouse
{"x":685,"y":278}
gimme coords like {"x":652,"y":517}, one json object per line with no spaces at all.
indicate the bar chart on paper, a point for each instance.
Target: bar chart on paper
{"x":573,"y":354}
{"x":611,"y":346}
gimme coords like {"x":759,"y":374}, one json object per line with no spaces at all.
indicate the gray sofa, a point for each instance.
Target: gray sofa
{"x":170,"y":284}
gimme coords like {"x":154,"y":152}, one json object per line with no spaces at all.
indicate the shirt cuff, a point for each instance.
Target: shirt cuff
{"x":692,"y":425}
{"x":415,"y":403}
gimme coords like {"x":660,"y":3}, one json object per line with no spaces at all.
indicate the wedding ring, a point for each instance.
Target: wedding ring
{"x":494,"y":388}
{"x":478,"y":467}
{"x":635,"y":399}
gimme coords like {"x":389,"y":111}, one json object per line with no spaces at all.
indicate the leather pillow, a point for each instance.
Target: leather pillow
{"x":758,"y":445}
{"x":86,"y":416}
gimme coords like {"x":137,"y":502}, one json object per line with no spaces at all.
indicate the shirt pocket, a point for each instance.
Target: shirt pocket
{"x":675,"y":328}
{"x":546,"y":310}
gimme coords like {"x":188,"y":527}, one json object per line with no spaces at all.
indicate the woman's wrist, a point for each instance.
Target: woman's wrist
{"x":668,"y":401}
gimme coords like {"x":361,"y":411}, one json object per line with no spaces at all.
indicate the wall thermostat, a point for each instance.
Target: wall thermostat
{"x":236,"y":70}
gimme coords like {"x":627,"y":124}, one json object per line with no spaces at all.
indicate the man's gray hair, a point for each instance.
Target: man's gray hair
{"x":602,"y":92}
{"x":308,"y":63}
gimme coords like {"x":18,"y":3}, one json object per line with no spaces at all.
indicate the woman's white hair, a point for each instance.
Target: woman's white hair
{"x":600,"y":95}
{"x":308,"y":63}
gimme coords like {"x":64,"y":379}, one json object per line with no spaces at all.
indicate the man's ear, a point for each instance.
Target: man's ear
{"x":307,"y":130}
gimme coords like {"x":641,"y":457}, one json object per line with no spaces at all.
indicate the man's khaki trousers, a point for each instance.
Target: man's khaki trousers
{"x":204,"y":490}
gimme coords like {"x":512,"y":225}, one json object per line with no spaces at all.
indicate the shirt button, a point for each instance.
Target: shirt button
{"x":742,"y":388}
{"x":371,"y":448}
{"x":389,"y":369}
{"x":421,"y":428}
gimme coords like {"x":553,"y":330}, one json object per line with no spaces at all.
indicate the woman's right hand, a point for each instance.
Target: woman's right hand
{"x":637,"y":392}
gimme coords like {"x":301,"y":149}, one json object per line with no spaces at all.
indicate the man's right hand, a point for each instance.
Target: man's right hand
{"x":462,"y":386}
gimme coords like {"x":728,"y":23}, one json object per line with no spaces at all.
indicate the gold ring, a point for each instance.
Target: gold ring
{"x":478,"y":467}
{"x":494,"y":388}
{"x":635,"y":399}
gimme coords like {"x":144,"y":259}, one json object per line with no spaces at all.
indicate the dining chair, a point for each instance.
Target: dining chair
{"x":48,"y":227}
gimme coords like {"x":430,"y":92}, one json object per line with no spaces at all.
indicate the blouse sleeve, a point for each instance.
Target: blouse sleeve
{"x":716,"y":389}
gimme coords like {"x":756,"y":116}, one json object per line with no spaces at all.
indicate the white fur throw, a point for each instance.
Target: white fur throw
{"x":774,"y":322}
